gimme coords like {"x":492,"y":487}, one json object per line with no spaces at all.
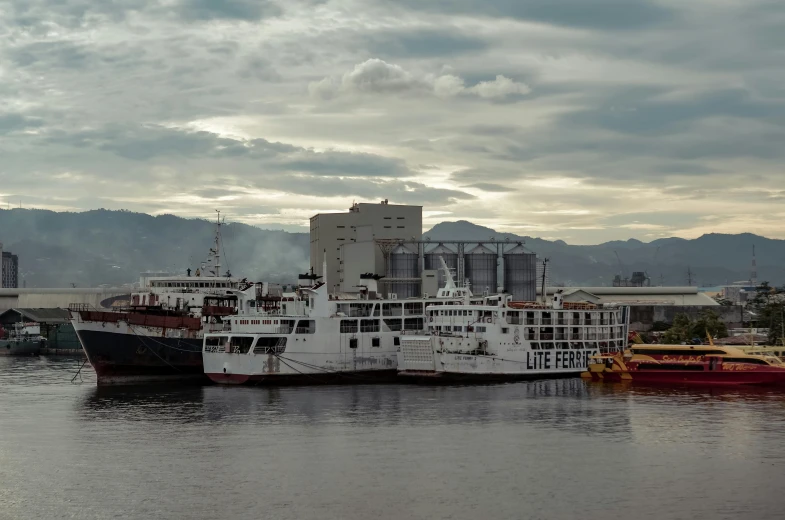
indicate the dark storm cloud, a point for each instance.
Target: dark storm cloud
{"x":590,"y":14}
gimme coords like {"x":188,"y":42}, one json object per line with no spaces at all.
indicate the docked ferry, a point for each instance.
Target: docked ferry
{"x":687,"y":364}
{"x":319,"y":338}
{"x":158,"y":337}
{"x":498,"y":339}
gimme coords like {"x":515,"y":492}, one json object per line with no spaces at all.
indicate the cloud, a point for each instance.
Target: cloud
{"x":375,"y":76}
{"x":490,"y":187}
{"x":597,"y":14}
{"x":13,"y":122}
{"x":610,"y":108}
{"x":244,"y":10}
{"x":499,"y":88}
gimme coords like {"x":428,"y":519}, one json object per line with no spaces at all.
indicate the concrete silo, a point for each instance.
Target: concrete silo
{"x":481,"y":269}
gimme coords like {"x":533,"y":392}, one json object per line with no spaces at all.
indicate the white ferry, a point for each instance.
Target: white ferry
{"x":319,"y":338}
{"x":501,"y":339}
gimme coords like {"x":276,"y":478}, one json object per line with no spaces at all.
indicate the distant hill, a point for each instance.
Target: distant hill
{"x":57,"y":249}
{"x":714,"y":259}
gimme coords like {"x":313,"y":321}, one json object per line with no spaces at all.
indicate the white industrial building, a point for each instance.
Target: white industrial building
{"x":346,"y":240}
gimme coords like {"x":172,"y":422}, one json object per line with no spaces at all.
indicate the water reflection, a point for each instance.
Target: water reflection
{"x":540,"y":449}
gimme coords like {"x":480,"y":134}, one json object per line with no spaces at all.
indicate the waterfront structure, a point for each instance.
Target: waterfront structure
{"x":317,"y":337}
{"x":345,"y":241}
{"x":9,"y":269}
{"x":54,"y":325}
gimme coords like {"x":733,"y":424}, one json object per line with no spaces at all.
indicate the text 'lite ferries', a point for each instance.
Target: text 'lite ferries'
{"x":497,"y":338}
{"x":318,"y":338}
{"x":687,"y":364}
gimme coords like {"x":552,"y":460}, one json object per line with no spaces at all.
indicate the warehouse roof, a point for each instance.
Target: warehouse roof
{"x":52,"y":316}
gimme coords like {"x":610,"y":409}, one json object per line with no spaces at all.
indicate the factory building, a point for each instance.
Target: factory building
{"x":9,"y":269}
{"x":333,"y":236}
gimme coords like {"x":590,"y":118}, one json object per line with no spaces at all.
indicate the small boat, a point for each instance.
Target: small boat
{"x":23,"y":340}
{"x":687,"y":364}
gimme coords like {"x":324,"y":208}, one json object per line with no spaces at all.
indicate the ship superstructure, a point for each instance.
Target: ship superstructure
{"x":497,"y":338}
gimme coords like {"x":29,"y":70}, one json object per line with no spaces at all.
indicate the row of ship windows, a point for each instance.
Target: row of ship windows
{"x":346,"y":326}
{"x":191,"y":284}
{"x":531,"y":318}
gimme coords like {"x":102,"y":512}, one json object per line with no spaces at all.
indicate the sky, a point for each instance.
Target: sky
{"x":578,"y":120}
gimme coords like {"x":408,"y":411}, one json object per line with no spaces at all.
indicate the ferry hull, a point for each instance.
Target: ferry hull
{"x":422,"y":359}
{"x":19,"y":348}
{"x":120,"y":356}
{"x":365,"y":377}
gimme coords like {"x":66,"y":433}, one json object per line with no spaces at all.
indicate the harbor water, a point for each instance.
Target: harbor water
{"x":546,"y":449}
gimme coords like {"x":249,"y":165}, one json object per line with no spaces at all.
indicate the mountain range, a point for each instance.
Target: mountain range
{"x":62,"y":249}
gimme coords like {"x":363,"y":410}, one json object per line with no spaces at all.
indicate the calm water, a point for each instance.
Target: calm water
{"x":548,"y":449}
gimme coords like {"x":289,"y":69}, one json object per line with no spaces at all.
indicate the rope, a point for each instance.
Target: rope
{"x":326,"y":370}
{"x":161,"y":343}
{"x":79,"y":373}
{"x":156,"y":353}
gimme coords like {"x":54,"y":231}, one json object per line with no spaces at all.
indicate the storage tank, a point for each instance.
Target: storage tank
{"x":403,"y":264}
{"x":480,"y":266}
{"x":520,"y":274}
{"x":450,"y":258}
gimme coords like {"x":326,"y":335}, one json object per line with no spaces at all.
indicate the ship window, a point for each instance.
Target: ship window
{"x":547,"y":346}
{"x":306,"y":327}
{"x":413,"y":308}
{"x":676,"y":352}
{"x":353,"y":343}
{"x":413,"y":324}
{"x":397,"y":341}
{"x":393,"y":324}
{"x":369,"y":325}
{"x":749,"y":361}
{"x":479,"y":329}
{"x":669,"y":366}
{"x":387,"y":227}
{"x":241,"y":344}
{"x":535,"y":346}
{"x":376,"y":342}
{"x":505,"y":330}
{"x":392,"y":309}
{"x":348,"y":326}
{"x":270,"y":345}
{"x":215,"y":341}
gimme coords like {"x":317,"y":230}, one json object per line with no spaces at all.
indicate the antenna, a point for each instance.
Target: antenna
{"x":544,"y":271}
{"x":689,"y":276}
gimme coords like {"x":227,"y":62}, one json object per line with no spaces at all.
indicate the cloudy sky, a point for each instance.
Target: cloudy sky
{"x":584,"y":120}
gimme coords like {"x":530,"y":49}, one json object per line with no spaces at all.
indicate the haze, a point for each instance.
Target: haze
{"x":584,"y":121}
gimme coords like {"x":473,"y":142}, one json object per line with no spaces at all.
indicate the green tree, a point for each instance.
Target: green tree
{"x":680,"y":330}
{"x":709,"y":322}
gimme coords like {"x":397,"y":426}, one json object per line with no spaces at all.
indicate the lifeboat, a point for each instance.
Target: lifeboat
{"x":687,"y":364}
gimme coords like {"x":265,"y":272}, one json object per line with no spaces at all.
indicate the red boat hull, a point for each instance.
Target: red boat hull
{"x":750,"y":378}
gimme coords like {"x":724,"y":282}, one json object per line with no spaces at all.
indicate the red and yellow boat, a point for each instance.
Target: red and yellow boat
{"x":687,"y":364}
